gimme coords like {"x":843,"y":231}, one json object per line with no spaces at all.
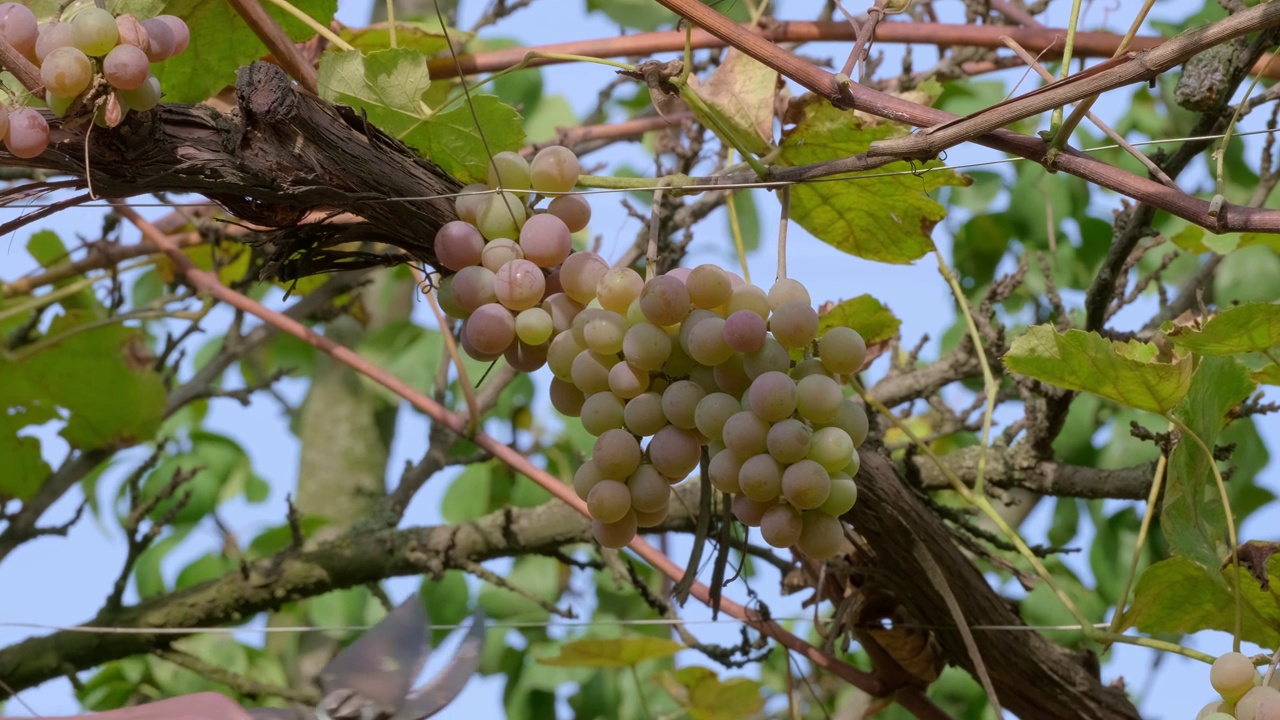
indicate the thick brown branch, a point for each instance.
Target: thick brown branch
{"x":1014,"y":468}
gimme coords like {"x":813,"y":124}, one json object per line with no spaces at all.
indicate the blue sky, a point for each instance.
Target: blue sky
{"x":61,"y":581}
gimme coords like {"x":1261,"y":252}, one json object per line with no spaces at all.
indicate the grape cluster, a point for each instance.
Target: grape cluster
{"x":1244,"y":695}
{"x":662,"y":371}
{"x":71,"y":53}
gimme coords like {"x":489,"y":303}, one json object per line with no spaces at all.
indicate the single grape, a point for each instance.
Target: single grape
{"x":652,"y":519}
{"x":609,"y":500}
{"x":491,"y":328}
{"x":566,"y":398}
{"x":761,"y":478}
{"x":562,"y":309}
{"x":561,"y":354}
{"x":853,"y":420}
{"x":475,"y":354}
{"x":66,"y":72}
{"x":831,"y":448}
{"x":125,"y":67}
{"x":665,"y":300}
{"x":525,"y":358}
{"x":772,"y":357}
{"x":706,"y":343}
{"x":144,"y":97}
{"x":713,"y":411}
{"x":617,"y":534}
{"x":458,"y":244}
{"x":509,"y":171}
{"x":810,"y":366}
{"x":587,"y":476}
{"x":780,"y":526}
{"x":1247,"y":706}
{"x":181,"y":33}
{"x":602,"y":411}
{"x":53,"y":36}
{"x":499,"y":252}
{"x":533,"y":326}
{"x":794,"y":324}
{"x":132,"y":32}
{"x":724,"y":470}
{"x":646,"y":346}
{"x":1232,"y":675}
{"x":643,"y":414}
{"x":842,"y":350}
{"x":843,"y":495}
{"x":545,"y":240}
{"x":519,"y":284}
{"x":680,"y":403}
{"x":818,"y":398}
{"x":772,"y":396}
{"x":18,"y":26}
{"x":28,"y":133}
{"x":93,"y":30}
{"x":501,"y":215}
{"x":749,"y":297}
{"x":590,"y":372}
{"x":787,"y":290}
{"x":746,"y":434}
{"x":748,"y":511}
{"x":744,"y":331}
{"x":627,"y":381}
{"x":604,"y":332}
{"x":789,"y":441}
{"x":822,"y":535}
{"x":580,"y":274}
{"x":674,"y":452}
{"x":555,"y":169}
{"x":650,"y":491}
{"x":470,"y":198}
{"x":709,"y":286}
{"x":616,"y":454}
{"x":573,"y":210}
{"x":473,"y":287}
{"x":806,"y":484}
{"x":618,"y":288}
{"x":161,"y":42}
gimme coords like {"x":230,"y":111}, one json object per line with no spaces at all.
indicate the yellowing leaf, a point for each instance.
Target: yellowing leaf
{"x":1242,"y":329}
{"x":706,"y":697}
{"x":617,"y":652}
{"x":741,"y":93}
{"x":873,"y":321}
{"x":1127,"y":373}
{"x":872,"y":215}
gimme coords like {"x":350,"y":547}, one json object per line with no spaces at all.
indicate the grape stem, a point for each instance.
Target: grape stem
{"x":735,"y":229}
{"x":391,"y":24}
{"x":784,"y":197}
{"x":655,"y":229}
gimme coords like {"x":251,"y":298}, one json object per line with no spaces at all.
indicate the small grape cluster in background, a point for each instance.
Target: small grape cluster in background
{"x":660,"y":371}
{"x":1244,"y":695}
{"x":71,"y":53}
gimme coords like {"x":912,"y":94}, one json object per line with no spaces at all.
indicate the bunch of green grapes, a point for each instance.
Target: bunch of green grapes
{"x":1244,"y":695}
{"x":71,"y":51}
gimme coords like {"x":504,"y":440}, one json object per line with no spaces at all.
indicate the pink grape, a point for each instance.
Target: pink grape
{"x":748,"y":511}
{"x":132,"y":32}
{"x":125,"y":67}
{"x":724,"y":470}
{"x":94,"y":31}
{"x":780,"y":526}
{"x":706,"y":342}
{"x":161,"y":42}
{"x":458,"y":244}
{"x":566,"y":398}
{"x":761,"y":478}
{"x":651,"y":519}
{"x":554,"y":169}
{"x":650,"y":491}
{"x":665,"y":300}
{"x":806,"y":484}
{"x":18,"y":25}
{"x":616,"y":535}
{"x":53,"y":36}
{"x":746,"y":434}
{"x":616,"y":453}
{"x":705,"y":378}
{"x":473,"y":287}
{"x":731,"y":377}
{"x":609,"y":501}
{"x":772,"y":357}
{"x":545,"y":240}
{"x":580,"y":273}
{"x":181,"y":33}
{"x":674,"y":452}
{"x":145,"y":96}
{"x":794,"y":324}
{"x":475,"y":354}
{"x":491,"y":328}
{"x":525,"y":358}
{"x":28,"y":133}
{"x":573,"y":210}
{"x":744,"y":331}
{"x":772,"y":396}
{"x":788,"y":441}
{"x":519,"y":284}
{"x":627,"y":381}
{"x":470,"y":198}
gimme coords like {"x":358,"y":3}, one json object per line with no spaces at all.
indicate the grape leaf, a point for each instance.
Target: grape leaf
{"x":615,"y":652}
{"x":706,"y":697}
{"x":870,"y":215}
{"x":1127,"y":373}
{"x":873,"y":321}
{"x":1244,"y":328}
{"x":221,"y":43}
{"x":388,"y":85}
{"x":1192,"y":515}
{"x":1179,"y":596}
{"x":741,"y":93}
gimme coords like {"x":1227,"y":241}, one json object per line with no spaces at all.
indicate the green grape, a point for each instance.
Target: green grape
{"x":709,"y":287}
{"x":787,"y":290}
{"x":94,"y":31}
{"x":468,"y":201}
{"x":680,"y":403}
{"x":761,"y":478}
{"x":590,"y":372}
{"x":772,"y":357}
{"x":794,"y":324}
{"x":818,"y":398}
{"x":853,"y":420}
{"x":843,"y":495}
{"x":601,"y":411}
{"x":501,"y":215}
{"x":749,"y":297}
{"x":706,"y":342}
{"x":832,"y":449}
{"x":618,"y":288}
{"x":712,"y":412}
{"x":509,"y":171}
{"x":652,"y":519}
{"x":822,"y":535}
{"x":604,"y":332}
{"x":533,"y":326}
{"x":1232,"y":675}
{"x":561,"y":355}
{"x":842,"y":350}
{"x":627,"y":381}
{"x":144,"y":97}
{"x":499,"y":252}
{"x":66,"y":72}
{"x":646,"y":346}
{"x":643,"y":414}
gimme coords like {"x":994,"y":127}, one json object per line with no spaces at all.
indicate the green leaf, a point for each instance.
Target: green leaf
{"x":616,"y":652}
{"x":1127,"y":373}
{"x":470,"y":495}
{"x":447,"y":600}
{"x":1192,"y":515}
{"x":873,"y":321}
{"x":538,"y":576}
{"x":1178,"y":596}
{"x":870,"y":215}
{"x":1111,"y":551}
{"x":389,"y":85}
{"x":1241,"y":329}
{"x":221,"y":43}
{"x":706,"y":697}
{"x":222,"y":471}
{"x":638,"y":14}
{"x":740,"y":95}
